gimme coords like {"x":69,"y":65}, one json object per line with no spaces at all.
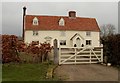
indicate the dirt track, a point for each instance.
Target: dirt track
{"x":91,"y":72}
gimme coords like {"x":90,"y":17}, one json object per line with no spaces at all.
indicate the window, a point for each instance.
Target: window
{"x":62,"y":33}
{"x":62,"y":42}
{"x":35,"y":21}
{"x":61,"y":22}
{"x":35,"y":42}
{"x":48,"y":39}
{"x":35,"y":33}
{"x":88,"y":42}
{"x":88,"y":33}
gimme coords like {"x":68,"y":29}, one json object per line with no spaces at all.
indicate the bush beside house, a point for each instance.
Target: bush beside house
{"x":111,"y":48}
{"x":12,"y":48}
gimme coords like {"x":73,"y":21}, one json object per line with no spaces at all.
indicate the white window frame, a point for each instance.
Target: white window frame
{"x":35,"y":21}
{"x":48,"y":41}
{"x":35,"y":33}
{"x":88,"y":42}
{"x":62,"y":33}
{"x":61,"y":22}
{"x":62,"y":42}
{"x":36,"y":42}
{"x":88,"y":33}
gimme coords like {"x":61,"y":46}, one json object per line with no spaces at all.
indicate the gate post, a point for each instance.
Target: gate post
{"x":59,"y":55}
{"x":56,"y":52}
{"x":101,"y":54}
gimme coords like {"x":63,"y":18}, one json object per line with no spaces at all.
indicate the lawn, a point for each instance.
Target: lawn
{"x":24,"y":72}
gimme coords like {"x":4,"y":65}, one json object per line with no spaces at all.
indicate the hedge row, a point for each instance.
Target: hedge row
{"x":11,"y":48}
{"x":111,"y":47}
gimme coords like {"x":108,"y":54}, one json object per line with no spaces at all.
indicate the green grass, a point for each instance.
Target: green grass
{"x":27,"y":71}
{"x":24,"y":72}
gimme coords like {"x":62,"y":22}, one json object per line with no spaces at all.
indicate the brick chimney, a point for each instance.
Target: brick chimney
{"x":72,"y":14}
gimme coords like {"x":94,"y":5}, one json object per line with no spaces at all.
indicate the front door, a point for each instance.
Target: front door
{"x":78,"y":42}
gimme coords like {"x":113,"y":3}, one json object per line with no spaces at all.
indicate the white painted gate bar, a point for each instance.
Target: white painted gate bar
{"x":86,"y":54}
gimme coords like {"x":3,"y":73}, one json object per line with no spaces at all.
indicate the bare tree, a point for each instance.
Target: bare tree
{"x":107,"y":29}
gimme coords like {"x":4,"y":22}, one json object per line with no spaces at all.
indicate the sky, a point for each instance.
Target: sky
{"x":104,"y":12}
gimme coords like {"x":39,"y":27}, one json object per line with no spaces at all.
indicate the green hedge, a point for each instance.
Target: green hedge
{"x":111,"y":47}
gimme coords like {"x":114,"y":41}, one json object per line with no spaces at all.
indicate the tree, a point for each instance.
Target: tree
{"x":107,"y":29}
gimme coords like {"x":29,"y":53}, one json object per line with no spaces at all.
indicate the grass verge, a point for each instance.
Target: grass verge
{"x":24,"y":72}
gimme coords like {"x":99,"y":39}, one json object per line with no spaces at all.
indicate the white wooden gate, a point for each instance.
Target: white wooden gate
{"x":78,"y":55}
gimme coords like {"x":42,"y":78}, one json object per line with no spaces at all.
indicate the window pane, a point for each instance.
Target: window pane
{"x":35,"y":42}
{"x":62,"y":42}
{"x":61,"y":22}
{"x":88,"y":42}
{"x":35,"y":21}
{"x":35,"y":32}
{"x":88,"y":33}
{"x":62,"y":33}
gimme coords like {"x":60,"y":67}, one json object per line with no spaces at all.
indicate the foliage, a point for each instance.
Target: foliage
{"x":21,"y":46}
{"x":111,"y":48}
{"x":9,"y":50}
{"x":107,"y":29}
{"x":39,"y":52}
{"x":12,"y":47}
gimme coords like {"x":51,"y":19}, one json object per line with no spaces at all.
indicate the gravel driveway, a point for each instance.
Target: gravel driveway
{"x":89,"y":72}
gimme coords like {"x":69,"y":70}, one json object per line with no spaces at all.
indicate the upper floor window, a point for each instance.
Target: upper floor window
{"x":62,"y":33}
{"x":61,"y":22}
{"x":35,"y":21}
{"x":88,"y":33}
{"x":35,"y":33}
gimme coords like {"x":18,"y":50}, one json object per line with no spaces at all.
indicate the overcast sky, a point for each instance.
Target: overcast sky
{"x":104,"y":12}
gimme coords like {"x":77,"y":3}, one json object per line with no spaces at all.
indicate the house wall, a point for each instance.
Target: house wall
{"x":57,"y":35}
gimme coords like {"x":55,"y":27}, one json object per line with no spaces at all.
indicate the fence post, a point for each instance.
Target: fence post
{"x":90,"y":56}
{"x":75,"y":54}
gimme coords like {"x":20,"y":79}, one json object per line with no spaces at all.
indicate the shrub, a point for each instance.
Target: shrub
{"x":39,"y":52}
{"x":9,"y":49}
{"x":112,"y":48}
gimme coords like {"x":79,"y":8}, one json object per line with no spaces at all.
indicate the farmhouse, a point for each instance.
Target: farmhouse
{"x":69,"y":31}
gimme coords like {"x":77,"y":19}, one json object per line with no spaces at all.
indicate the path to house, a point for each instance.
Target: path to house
{"x":89,"y":72}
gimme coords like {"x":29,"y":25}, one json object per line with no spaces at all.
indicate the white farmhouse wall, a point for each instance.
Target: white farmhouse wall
{"x":57,"y":35}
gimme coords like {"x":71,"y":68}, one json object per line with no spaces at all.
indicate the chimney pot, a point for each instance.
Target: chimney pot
{"x":72,"y":14}
{"x":24,"y":11}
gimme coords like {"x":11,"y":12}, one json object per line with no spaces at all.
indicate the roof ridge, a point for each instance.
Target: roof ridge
{"x":60,"y":16}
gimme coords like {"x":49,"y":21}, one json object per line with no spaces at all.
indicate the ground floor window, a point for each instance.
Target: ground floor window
{"x":48,"y":41}
{"x":88,"y":42}
{"x":35,"y":42}
{"x":62,"y":42}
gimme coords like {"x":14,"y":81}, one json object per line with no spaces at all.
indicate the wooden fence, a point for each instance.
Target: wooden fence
{"x":78,"y":55}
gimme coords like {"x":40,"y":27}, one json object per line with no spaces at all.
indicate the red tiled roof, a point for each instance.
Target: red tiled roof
{"x":52,"y":23}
